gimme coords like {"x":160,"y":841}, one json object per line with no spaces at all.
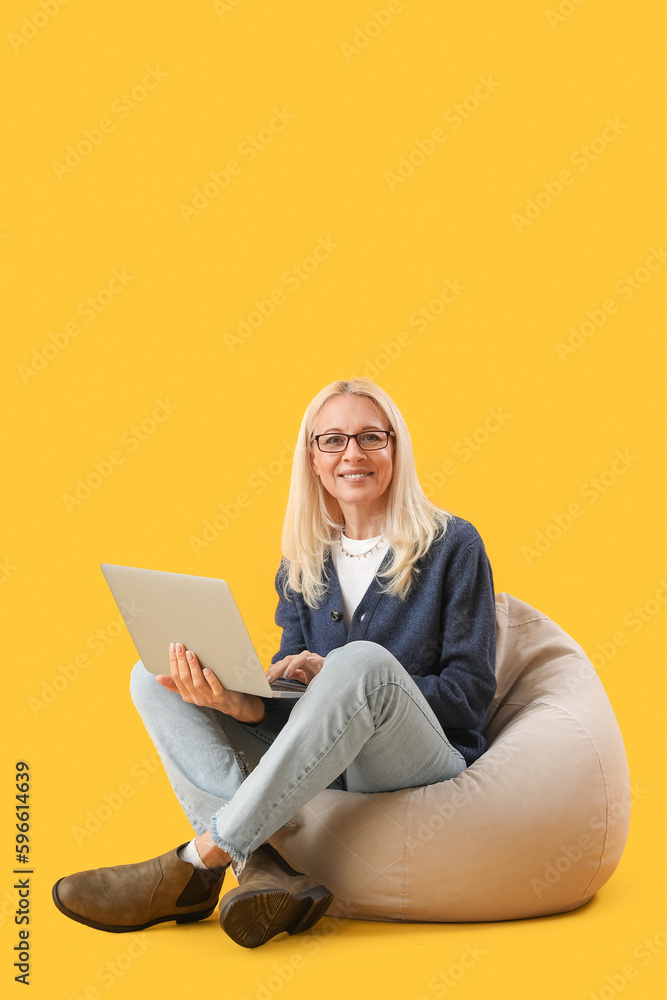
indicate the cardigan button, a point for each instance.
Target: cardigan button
{"x":336,"y":616}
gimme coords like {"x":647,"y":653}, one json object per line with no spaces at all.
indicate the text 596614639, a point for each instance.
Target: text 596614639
{"x":22,"y":812}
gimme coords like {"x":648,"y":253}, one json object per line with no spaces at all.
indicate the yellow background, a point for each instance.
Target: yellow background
{"x":218,"y":75}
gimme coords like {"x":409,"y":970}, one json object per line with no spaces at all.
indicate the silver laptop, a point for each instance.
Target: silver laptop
{"x":199,"y":611}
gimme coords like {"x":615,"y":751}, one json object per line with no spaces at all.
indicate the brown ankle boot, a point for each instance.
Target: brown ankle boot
{"x":132,"y":897}
{"x":271,"y":897}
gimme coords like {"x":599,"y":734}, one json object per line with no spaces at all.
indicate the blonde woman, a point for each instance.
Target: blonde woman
{"x":388,"y":614}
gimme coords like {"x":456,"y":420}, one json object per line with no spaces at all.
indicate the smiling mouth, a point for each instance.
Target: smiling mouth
{"x":355,"y":476}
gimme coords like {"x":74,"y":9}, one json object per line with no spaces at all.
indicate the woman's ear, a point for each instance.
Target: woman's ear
{"x":312,"y":460}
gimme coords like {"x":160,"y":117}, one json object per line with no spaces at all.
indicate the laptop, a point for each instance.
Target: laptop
{"x":199,"y":611}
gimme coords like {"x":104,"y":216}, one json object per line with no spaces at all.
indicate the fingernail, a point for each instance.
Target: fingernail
{"x":269,"y":677}
{"x":190,"y":655}
{"x":171,"y":647}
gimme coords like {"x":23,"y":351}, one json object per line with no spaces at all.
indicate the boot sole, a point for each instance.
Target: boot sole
{"x":251,"y":918}
{"x":180,"y":918}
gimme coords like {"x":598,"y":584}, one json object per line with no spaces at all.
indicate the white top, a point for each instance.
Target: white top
{"x":355,"y":575}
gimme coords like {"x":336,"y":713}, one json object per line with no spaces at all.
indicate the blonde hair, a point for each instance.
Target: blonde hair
{"x":314,"y":518}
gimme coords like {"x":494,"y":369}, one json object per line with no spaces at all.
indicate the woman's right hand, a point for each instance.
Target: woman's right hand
{"x":300,"y":666}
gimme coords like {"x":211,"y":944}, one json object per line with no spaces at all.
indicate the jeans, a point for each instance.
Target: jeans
{"x":363,"y":725}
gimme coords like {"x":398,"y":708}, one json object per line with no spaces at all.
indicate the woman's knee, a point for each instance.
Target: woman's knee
{"x":363,"y":656}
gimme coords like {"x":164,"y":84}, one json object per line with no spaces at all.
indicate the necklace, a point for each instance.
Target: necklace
{"x":360,"y":555}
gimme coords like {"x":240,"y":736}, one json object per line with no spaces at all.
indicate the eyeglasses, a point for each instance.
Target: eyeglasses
{"x":367,"y":441}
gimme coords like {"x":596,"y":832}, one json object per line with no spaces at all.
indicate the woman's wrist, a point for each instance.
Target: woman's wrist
{"x":251,"y":710}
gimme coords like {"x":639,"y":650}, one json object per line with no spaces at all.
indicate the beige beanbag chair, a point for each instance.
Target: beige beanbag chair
{"x":535,"y":826}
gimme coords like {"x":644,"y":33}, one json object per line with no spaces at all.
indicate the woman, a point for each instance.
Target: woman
{"x":388,"y":614}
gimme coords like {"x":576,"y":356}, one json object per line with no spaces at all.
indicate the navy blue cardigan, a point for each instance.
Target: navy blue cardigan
{"x":443,"y":632}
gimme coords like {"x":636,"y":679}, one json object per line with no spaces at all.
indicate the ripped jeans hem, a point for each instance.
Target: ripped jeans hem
{"x":239,"y":859}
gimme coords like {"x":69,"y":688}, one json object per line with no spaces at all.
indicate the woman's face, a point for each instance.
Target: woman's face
{"x":350,"y":415}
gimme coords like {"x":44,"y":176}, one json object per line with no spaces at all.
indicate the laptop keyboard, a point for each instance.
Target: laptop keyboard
{"x":287,"y":684}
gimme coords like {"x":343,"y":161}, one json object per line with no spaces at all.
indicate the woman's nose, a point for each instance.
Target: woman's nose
{"x":353,"y":450}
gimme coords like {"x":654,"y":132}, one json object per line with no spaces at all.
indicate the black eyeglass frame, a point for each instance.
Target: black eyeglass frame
{"x":356,"y":437}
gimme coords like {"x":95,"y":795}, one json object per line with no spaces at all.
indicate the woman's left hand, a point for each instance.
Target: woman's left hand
{"x":299,"y":666}
{"x":202,"y":687}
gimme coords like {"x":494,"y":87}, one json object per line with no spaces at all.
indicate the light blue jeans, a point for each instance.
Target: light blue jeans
{"x":363,"y":725}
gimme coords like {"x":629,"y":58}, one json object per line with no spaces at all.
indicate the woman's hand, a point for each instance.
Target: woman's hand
{"x":202,"y":687}
{"x":301,"y":666}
